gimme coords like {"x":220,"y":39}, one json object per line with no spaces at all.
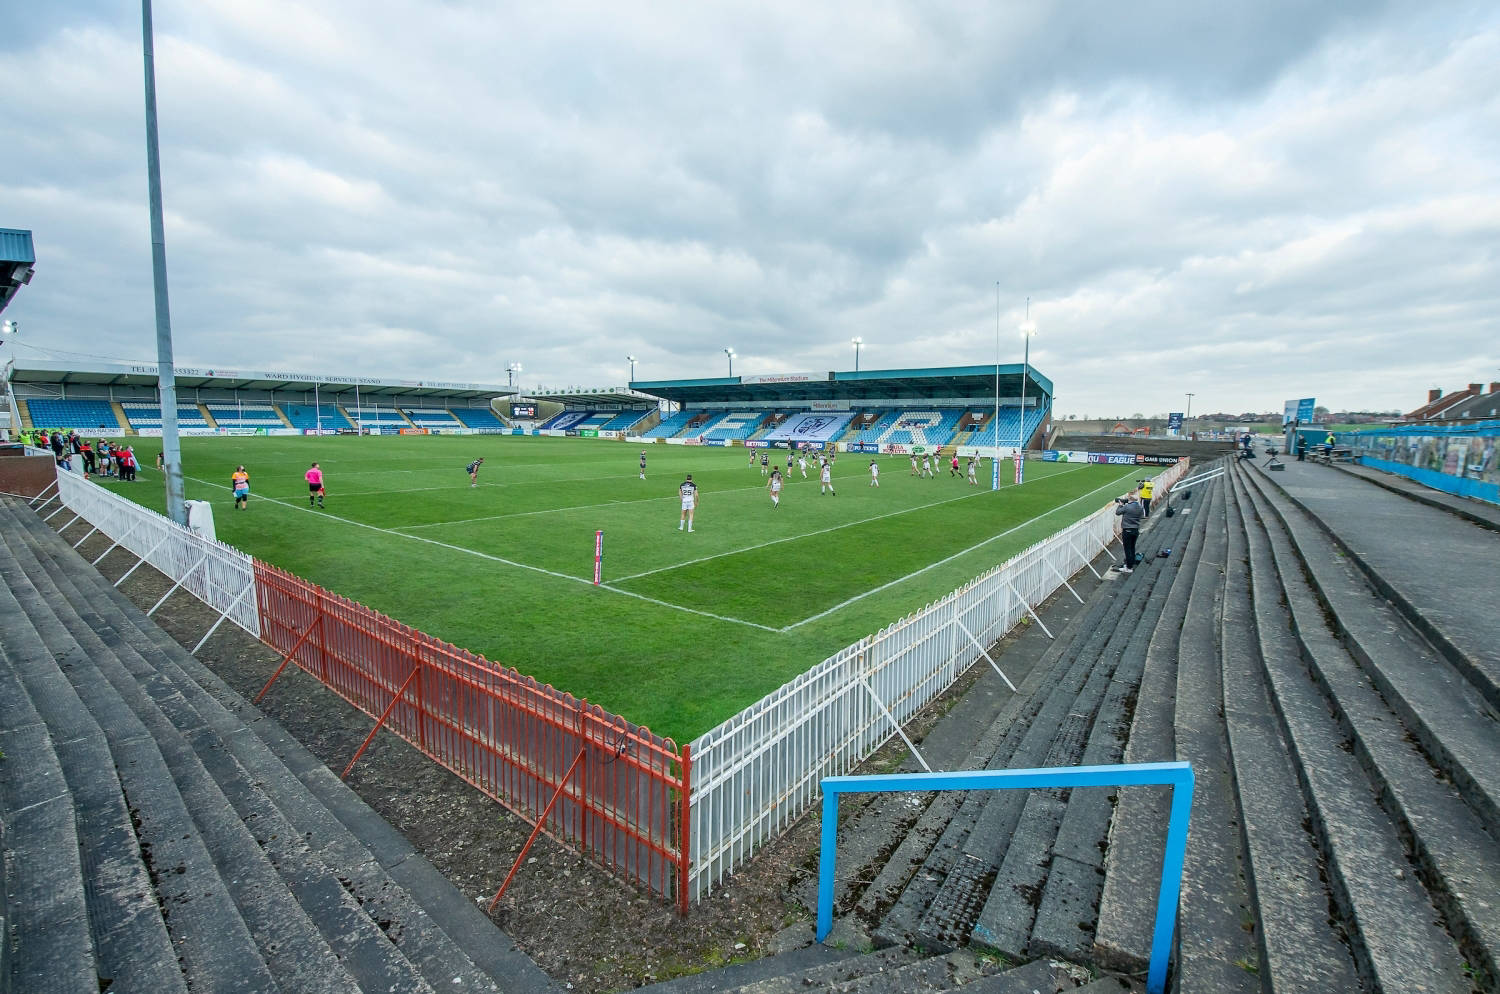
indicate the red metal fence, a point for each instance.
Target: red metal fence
{"x":511,"y":737}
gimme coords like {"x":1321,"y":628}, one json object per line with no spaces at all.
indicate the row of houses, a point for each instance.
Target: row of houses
{"x":1473,"y":403}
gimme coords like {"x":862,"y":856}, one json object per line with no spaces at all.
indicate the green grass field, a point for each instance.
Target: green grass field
{"x":688,"y":628}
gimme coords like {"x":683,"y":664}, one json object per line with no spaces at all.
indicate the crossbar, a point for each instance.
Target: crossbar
{"x":1178,"y":776}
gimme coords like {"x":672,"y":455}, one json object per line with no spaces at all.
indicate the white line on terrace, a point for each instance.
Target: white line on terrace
{"x":501,"y":559}
{"x":940,"y":562}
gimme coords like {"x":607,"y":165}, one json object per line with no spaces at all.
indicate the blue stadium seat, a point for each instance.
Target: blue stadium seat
{"x":78,"y":415}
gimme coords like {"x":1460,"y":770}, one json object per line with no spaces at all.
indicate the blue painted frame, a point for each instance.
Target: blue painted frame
{"x":1178,"y":776}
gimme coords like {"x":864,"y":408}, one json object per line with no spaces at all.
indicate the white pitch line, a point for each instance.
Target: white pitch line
{"x":940,"y":562}
{"x":795,"y":538}
{"x":574,"y":507}
{"x":507,"y":562}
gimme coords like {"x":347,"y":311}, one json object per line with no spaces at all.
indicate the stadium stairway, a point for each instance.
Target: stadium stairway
{"x":161,"y":835}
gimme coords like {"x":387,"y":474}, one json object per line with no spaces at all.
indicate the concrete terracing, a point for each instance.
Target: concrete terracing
{"x":161,"y":835}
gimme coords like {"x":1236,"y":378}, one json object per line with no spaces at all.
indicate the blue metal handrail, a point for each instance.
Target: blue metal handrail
{"x":1178,"y":776}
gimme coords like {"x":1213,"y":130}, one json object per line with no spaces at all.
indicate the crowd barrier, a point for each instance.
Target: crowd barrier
{"x":217,"y":574}
{"x":621,"y":790}
{"x":756,"y":773}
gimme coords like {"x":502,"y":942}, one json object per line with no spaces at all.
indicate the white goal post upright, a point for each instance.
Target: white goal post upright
{"x":598,"y":557}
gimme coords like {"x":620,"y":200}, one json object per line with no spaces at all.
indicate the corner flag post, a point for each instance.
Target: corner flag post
{"x":598,"y":556}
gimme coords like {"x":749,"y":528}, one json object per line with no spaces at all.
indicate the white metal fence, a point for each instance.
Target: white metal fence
{"x":757,"y":772}
{"x":218,"y":575}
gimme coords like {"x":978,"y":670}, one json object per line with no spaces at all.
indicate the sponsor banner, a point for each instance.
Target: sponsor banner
{"x":693,"y":441}
{"x":611,"y":434}
{"x":413,"y":431}
{"x":1112,"y":458}
{"x":550,"y":432}
{"x":587,"y":433}
{"x":896,"y":449}
{"x":675,"y":441}
{"x":242,"y":431}
{"x":156,"y":432}
{"x":861,"y":446}
{"x":1301,"y":411}
{"x":1145,"y":460}
{"x":719,"y":442}
{"x":570,"y":432}
{"x":781,"y":445}
{"x":1174,"y":421}
{"x":758,"y":443}
{"x":785,"y":378}
{"x":829,"y":405}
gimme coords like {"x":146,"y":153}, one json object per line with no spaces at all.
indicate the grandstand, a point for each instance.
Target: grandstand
{"x":146,"y":416}
{"x":251,"y":415}
{"x":433,"y":419}
{"x":870,"y":410}
{"x":307,"y":417}
{"x":120,"y":398}
{"x":478,"y":418}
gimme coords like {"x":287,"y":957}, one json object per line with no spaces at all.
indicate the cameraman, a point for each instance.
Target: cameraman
{"x":1129,"y":509}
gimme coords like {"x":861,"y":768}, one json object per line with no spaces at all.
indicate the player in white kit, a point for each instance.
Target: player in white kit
{"x":801,"y":464}
{"x":689,"y":493}
{"x":874,"y":473}
{"x":973,"y":468}
{"x":826,"y":480}
{"x":775,"y":487}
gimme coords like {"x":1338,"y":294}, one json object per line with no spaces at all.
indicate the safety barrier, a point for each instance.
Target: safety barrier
{"x":217,"y":574}
{"x":757,"y":772}
{"x":518,"y":741}
{"x":1178,"y":776}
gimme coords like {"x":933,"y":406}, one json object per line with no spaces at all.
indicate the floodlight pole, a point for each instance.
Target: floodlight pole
{"x":632,"y":360}
{"x":166,"y":375}
{"x":858,"y":342}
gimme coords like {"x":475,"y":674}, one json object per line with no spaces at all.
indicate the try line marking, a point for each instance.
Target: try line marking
{"x":502,"y":559}
{"x":978,"y":545}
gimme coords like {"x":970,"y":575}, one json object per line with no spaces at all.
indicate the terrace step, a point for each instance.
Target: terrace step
{"x":386,"y":920}
{"x":963,"y":835}
{"x":1421,"y":559}
{"x":1217,"y":948}
{"x":1135,"y":846}
{"x":1438,"y":849}
{"x":200,"y":857}
{"x":1299,"y":947}
{"x":40,"y":865}
{"x":439,"y":928}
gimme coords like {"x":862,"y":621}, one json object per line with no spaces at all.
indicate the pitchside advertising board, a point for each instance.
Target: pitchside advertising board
{"x":1107,"y":458}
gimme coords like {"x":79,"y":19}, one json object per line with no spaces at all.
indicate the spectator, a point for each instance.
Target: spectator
{"x":90,"y":466}
{"x":1146,"y":491}
{"x":1301,"y":447}
{"x":1128,"y":509}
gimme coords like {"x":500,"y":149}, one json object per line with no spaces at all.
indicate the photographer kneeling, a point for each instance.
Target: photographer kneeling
{"x":1129,"y":508}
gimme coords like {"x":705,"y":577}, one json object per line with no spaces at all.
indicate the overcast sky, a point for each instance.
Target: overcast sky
{"x":1273,"y":200}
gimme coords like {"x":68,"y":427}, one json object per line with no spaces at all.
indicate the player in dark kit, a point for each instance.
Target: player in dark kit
{"x":473,"y":470}
{"x":643,"y":464}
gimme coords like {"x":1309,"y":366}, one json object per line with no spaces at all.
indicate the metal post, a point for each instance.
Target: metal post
{"x":173,"y":589}
{"x":381,"y":720}
{"x":142,"y":561}
{"x":537,"y":830}
{"x":166,"y":376}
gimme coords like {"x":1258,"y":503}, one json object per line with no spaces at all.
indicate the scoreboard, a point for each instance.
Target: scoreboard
{"x":523,"y":410}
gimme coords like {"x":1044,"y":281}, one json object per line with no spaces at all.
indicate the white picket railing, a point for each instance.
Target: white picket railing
{"x":217,"y":574}
{"x":757,"y":772}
